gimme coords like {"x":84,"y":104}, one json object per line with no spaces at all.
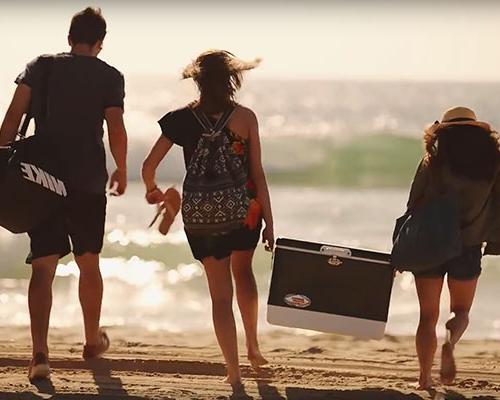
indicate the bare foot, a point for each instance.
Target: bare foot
{"x":424,"y":383}
{"x":39,"y":368}
{"x":257,"y":360}
{"x":448,"y":370}
{"x":97,"y":350}
{"x":455,"y":327}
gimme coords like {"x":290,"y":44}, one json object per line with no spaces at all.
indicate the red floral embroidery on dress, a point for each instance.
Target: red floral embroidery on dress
{"x":254,"y":214}
{"x":238,"y":148}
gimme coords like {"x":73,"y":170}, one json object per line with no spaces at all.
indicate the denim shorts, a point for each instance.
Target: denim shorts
{"x":464,"y":267}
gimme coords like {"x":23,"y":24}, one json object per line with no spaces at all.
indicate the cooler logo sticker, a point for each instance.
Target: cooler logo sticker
{"x":297,"y":300}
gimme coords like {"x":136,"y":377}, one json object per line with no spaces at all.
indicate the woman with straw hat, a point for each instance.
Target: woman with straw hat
{"x":462,"y":154}
{"x":220,"y":140}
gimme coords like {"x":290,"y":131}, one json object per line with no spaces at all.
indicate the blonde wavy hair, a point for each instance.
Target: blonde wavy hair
{"x":218,"y":75}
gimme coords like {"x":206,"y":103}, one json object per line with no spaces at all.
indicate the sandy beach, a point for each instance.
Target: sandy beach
{"x":158,"y":365}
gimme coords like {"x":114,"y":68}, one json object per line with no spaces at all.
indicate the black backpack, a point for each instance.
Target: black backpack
{"x":214,"y":198}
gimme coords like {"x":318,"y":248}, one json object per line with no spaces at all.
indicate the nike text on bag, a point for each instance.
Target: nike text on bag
{"x":31,"y":188}
{"x":214,"y":198}
{"x":427,"y":236}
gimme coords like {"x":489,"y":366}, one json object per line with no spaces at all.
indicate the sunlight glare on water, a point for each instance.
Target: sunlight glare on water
{"x":144,"y":238}
{"x":153,"y":282}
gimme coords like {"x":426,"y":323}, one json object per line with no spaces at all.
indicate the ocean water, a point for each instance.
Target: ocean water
{"x":152,"y":282}
{"x":339,"y":155}
{"x":315,"y":132}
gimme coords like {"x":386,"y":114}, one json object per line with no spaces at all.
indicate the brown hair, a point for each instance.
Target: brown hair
{"x":218,"y":75}
{"x":87,"y":27}
{"x":470,"y":151}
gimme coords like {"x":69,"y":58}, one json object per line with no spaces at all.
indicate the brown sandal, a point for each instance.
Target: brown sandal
{"x":167,"y":209}
{"x":171,"y":207}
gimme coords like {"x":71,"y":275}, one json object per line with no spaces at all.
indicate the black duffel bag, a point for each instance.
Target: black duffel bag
{"x":31,"y":187}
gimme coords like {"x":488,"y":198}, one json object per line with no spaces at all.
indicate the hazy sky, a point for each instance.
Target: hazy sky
{"x":309,"y":39}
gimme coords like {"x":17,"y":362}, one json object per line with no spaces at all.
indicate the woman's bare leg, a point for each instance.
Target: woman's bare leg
{"x":221,"y":292}
{"x":247,"y":296}
{"x":461,"y":297}
{"x":429,"y":295}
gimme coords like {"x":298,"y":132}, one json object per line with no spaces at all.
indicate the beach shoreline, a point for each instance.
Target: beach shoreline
{"x":160,"y":365}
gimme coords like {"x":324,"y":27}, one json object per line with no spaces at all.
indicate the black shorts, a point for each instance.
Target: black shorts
{"x":81,"y":219}
{"x":221,"y":246}
{"x":464,"y":267}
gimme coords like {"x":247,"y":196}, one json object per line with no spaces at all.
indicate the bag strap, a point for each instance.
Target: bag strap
{"x":25,"y":125}
{"x":202,"y":119}
{"x":224,"y":119}
{"x":205,"y":122}
{"x":44,"y":99}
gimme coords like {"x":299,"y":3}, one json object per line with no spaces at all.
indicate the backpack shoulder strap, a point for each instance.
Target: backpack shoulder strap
{"x":224,"y":119}
{"x":202,"y":119}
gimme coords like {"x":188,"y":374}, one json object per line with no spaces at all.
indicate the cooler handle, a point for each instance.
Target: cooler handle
{"x":335,"y":251}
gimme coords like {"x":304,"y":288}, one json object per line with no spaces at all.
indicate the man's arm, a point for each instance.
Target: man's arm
{"x":118,"y":144}
{"x":18,"y":107}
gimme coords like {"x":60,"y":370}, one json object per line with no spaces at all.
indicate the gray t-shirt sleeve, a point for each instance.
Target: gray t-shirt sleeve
{"x":31,"y":74}
{"x":115,"y":93}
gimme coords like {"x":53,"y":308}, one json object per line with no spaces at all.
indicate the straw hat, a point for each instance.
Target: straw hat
{"x":458,"y":116}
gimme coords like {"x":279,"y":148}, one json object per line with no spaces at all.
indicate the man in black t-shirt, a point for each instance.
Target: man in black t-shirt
{"x":81,"y":92}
